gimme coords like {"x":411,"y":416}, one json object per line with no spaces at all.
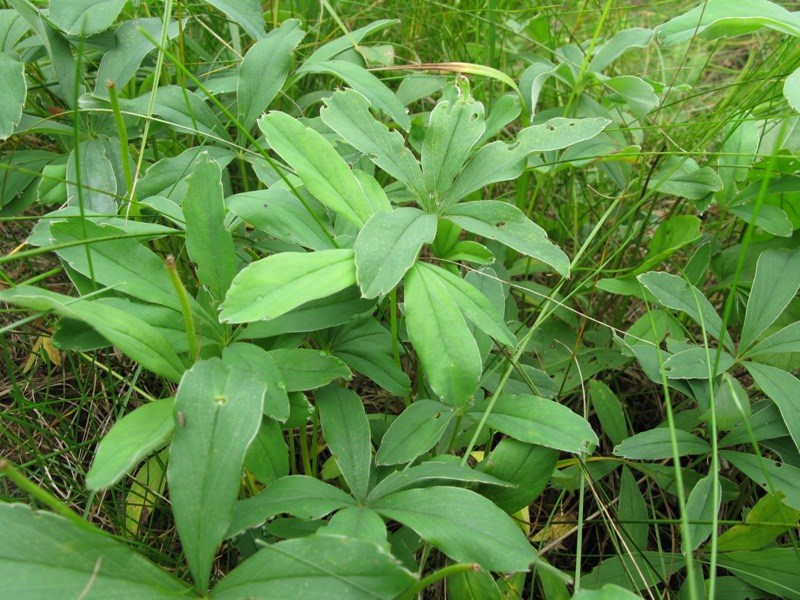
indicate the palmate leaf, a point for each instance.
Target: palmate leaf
{"x":501,"y":161}
{"x":218,"y":411}
{"x":347,"y":113}
{"x":508,"y":225}
{"x":475,"y":306}
{"x":280,"y":213}
{"x":416,"y":430}
{"x":433,"y":471}
{"x":775,"y":284}
{"x":299,"y":495}
{"x":272,"y":286}
{"x":366,"y":83}
{"x":321,"y":169}
{"x":462,"y":524}
{"x":43,"y":556}
{"x":318,"y":566}
{"x":446,"y":348}
{"x":455,"y":127}
{"x":387,"y":247}
{"x":784,"y":390}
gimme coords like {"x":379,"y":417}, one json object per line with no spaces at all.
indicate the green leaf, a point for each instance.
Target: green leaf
{"x":44,"y":556}
{"x":673,"y":292}
{"x":608,"y":592}
{"x":508,"y":225}
{"x":305,"y":369}
{"x":12,"y":28}
{"x":264,"y":70}
{"x":280,"y":213}
{"x":755,"y":533}
{"x":349,"y":40}
{"x":415,"y":431}
{"x":609,"y":411}
{"x":473,"y":585}
{"x":304,"y":497}
{"x":98,"y":183}
{"x":683,"y":177}
{"x":656,"y":444}
{"x":341,"y":307}
{"x":700,"y":510}
{"x":122,"y":264}
{"x":13,"y":89}
{"x":132,"y":438}
{"x":360,"y":523}
{"x":346,"y":430}
{"x":776,"y":570}
{"x":373,"y":89}
{"x":769,"y":218}
{"x":719,"y":18}
{"x":633,"y":513}
{"x":218,"y":412}
{"x":366,"y":346}
{"x":462,"y":524}
{"x":635,"y":92}
{"x":775,"y":284}
{"x":432,"y":471}
{"x":473,"y":304}
{"x":693,"y":363}
{"x":322,"y":566}
{"x":84,"y":17}
{"x":672,"y":235}
{"x":347,"y":113}
{"x":246,"y":13}
{"x":321,"y":169}
{"x":131,"y":47}
{"x":272,"y":286}
{"x":388,"y":246}
{"x":182,"y":109}
{"x":527,"y":466}
{"x":208,"y":243}
{"x":784,"y":390}
{"x":455,"y":127}
{"x":640,"y":570}
{"x":776,"y":478}
{"x":539,"y":421}
{"x":764,"y":423}
{"x":132,"y":336}
{"x":783,"y":341}
{"x":791,"y":90}
{"x":267,"y":456}
{"x":262,"y":364}
{"x":440,"y":336}
{"x":623,"y":41}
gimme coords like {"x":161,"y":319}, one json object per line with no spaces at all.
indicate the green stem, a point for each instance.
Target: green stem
{"x":415,"y":589}
{"x":7,"y":469}
{"x":124,"y":150}
{"x":186,"y":309}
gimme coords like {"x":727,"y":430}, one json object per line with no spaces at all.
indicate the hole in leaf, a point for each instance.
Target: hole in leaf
{"x":551,"y":128}
{"x":220,"y":400}
{"x":500,"y":224}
